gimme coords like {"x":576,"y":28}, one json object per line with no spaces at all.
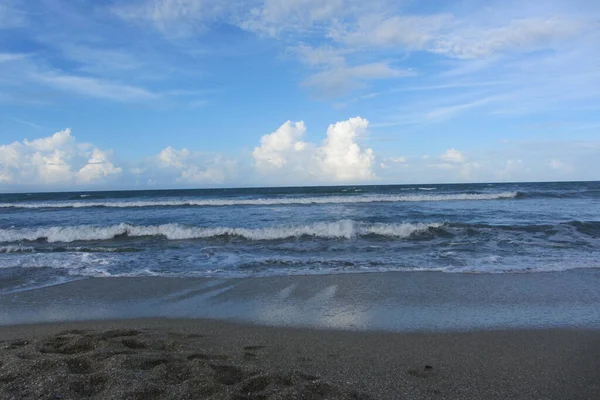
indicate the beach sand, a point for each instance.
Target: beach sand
{"x":161,"y":358}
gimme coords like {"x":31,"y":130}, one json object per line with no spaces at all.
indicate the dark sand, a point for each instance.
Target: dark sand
{"x":199,"y":358}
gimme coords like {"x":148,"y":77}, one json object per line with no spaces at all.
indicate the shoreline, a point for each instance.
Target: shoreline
{"x":386,"y":301}
{"x":418,"y":335}
{"x":183,"y":357}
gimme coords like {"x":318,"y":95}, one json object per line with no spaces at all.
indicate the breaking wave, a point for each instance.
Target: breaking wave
{"x":267,"y":201}
{"x":344,"y":229}
{"x":16,"y":249}
{"x":78,"y":249}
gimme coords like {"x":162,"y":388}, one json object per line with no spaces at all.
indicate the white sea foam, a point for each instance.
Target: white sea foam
{"x":344,"y":229}
{"x":266,"y":201}
{"x":16,"y":249}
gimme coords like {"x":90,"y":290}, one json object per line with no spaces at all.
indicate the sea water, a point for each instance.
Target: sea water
{"x":52,"y":238}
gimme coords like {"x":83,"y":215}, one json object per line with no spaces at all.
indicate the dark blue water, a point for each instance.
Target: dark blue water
{"x":49,"y":238}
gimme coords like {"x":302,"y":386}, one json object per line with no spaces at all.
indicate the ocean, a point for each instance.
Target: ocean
{"x":48,"y":239}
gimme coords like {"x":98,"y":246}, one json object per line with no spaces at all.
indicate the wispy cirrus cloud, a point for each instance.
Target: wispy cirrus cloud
{"x":414,"y":69}
{"x":94,"y":59}
{"x":339,"y":80}
{"x":9,"y":57}
{"x":12,"y":14}
{"x":410,"y":32}
{"x":93,"y":87}
{"x":173,"y":17}
{"x":520,"y":35}
{"x":348,"y":45}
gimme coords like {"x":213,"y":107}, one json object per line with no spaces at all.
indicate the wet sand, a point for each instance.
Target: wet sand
{"x":161,"y":358}
{"x":393,"y":301}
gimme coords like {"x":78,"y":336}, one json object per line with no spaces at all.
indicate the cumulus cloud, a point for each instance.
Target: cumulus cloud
{"x":338,"y":158}
{"x":61,"y":161}
{"x":456,"y":165}
{"x":342,"y":158}
{"x":98,"y":166}
{"x":285,"y":156}
{"x":54,"y":160}
{"x":559,"y":165}
{"x":276,"y":148}
{"x":185,"y":167}
{"x":453,"y":156}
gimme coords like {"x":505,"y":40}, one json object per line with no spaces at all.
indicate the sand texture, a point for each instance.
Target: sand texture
{"x":144,"y":365}
{"x":207,"y":359}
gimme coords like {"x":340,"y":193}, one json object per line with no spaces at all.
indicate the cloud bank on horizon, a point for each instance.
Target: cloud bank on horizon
{"x":193,"y":93}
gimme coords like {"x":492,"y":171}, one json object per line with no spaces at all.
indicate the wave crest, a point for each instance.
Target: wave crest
{"x":344,"y":229}
{"x":267,"y":201}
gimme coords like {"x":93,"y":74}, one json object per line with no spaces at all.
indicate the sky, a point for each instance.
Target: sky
{"x":131,"y":94}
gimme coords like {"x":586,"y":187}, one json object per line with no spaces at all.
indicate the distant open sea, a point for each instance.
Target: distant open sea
{"x":52,"y":238}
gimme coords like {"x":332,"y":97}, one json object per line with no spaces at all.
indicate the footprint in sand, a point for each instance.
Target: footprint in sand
{"x":254,"y":347}
{"x":207,"y":357}
{"x":424,"y":372}
{"x":227,"y":374}
{"x":67,"y":344}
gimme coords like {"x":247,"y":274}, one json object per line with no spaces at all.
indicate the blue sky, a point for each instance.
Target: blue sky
{"x":202,"y":93}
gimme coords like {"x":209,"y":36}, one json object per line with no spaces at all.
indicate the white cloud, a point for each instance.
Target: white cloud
{"x":60,"y":161}
{"x":174,"y":17}
{"x":514,"y":169}
{"x":98,"y":167}
{"x":559,"y":165}
{"x":456,"y":165}
{"x":339,"y":81}
{"x":338,"y":158}
{"x":172,"y":158}
{"x":185,"y":167}
{"x":346,"y":44}
{"x":53,"y":160}
{"x":519,"y":35}
{"x":342,"y":158}
{"x":445,"y":34}
{"x":324,"y":56}
{"x":276,"y":148}
{"x":8,"y":57}
{"x":277,"y":16}
{"x":411,"y":32}
{"x":335,"y":78}
{"x":453,"y":156}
